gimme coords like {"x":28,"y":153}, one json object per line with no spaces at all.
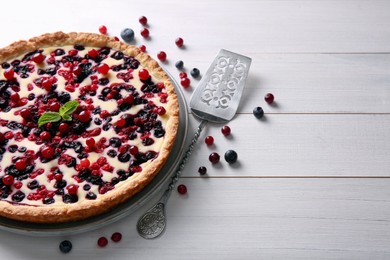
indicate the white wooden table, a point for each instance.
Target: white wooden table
{"x":312,"y":180}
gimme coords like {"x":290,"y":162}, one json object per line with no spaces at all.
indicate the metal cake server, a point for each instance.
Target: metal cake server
{"x":216,"y":99}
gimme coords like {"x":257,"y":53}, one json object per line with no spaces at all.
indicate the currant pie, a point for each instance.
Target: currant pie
{"x":86,"y":122}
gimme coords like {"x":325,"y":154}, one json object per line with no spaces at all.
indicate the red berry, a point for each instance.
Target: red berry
{"x":102,"y":242}
{"x":183,"y":75}
{"x":38,"y":58}
{"x":116,"y":38}
{"x":162,"y":56}
{"x":93,"y":53}
{"x":179,"y":42}
{"x":47,"y":152}
{"x":226,"y":130}
{"x":145,"y":32}
{"x":121,"y":122}
{"x":45,"y":136}
{"x":143,"y":20}
{"x":185,"y":82}
{"x":269,"y":98}
{"x":133,"y":150}
{"x":129,"y":99}
{"x":9,"y":74}
{"x":64,"y":128}
{"x":85,"y":163}
{"x":84,"y":116}
{"x":90,"y":142}
{"x":209,"y":140}
{"x":182,"y":189}
{"x":103,"y":69}
{"x":58,"y":176}
{"x":15,"y":97}
{"x":18,"y":185}
{"x":142,"y":48}
{"x":116,"y":237}
{"x":8,"y":180}
{"x":21,"y":164}
{"x":214,"y":158}
{"x":55,"y":106}
{"x":103,"y":29}
{"x":143,"y":74}
{"x":160,"y":111}
{"x":73,"y":52}
{"x":47,"y":84}
{"x":9,"y":135}
{"x":25,"y":113}
{"x":72,"y":189}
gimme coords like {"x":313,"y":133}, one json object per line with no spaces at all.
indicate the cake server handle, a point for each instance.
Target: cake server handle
{"x":153,"y":222}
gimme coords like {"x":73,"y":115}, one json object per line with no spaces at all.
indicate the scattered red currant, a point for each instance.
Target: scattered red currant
{"x":269,"y":98}
{"x":84,"y":163}
{"x":93,"y":53}
{"x":84,"y":116}
{"x":72,"y":189}
{"x":103,"y":29}
{"x":116,"y":237}
{"x":183,"y":75}
{"x":142,"y":48}
{"x":103,"y":68}
{"x":64,"y":128}
{"x":143,"y":20}
{"x":145,"y":32}
{"x":45,"y":136}
{"x":182,"y":189}
{"x":9,"y":74}
{"x":38,"y":58}
{"x":179,"y":42}
{"x":162,"y":56}
{"x":143,"y":74}
{"x":21,"y":164}
{"x":47,"y":152}
{"x":226,"y":130}
{"x":209,"y":140}
{"x":25,"y":113}
{"x":8,"y":180}
{"x":214,"y":158}
{"x":102,"y":242}
{"x":185,"y":82}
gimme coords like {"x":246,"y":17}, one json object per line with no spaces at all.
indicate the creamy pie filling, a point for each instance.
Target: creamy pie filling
{"x":127,"y":131}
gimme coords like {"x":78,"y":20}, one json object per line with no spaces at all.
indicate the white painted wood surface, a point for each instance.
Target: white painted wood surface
{"x":312,"y":181}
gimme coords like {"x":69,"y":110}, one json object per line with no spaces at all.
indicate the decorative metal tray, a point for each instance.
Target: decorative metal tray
{"x":157,"y":185}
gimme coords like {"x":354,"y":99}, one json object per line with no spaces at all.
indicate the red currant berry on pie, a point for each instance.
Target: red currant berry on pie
{"x":121,"y":122}
{"x":9,"y":74}
{"x":64,"y":128}
{"x":47,"y":84}
{"x":103,"y":69}
{"x":145,"y":32}
{"x":209,"y":140}
{"x":185,"y":82}
{"x":55,"y":106}
{"x":162,"y":56}
{"x":269,"y":98}
{"x":21,"y":164}
{"x":214,"y":158}
{"x":47,"y":152}
{"x":102,"y":242}
{"x":93,"y":53}
{"x":116,"y":237}
{"x":73,"y":52}
{"x":226,"y":130}
{"x":25,"y":113}
{"x":133,"y":150}
{"x":90,"y":142}
{"x":179,"y":42}
{"x":143,"y":74}
{"x":85,"y":163}
{"x":143,"y":20}
{"x":45,"y":136}
{"x":129,"y":99}
{"x":182,"y":189}
{"x":183,"y":75}
{"x":103,"y":29}
{"x":38,"y":58}
{"x":9,"y":135}
{"x":160,"y":111}
{"x":84,"y":116}
{"x":15,"y":97}
{"x":142,"y":48}
{"x":116,"y":38}
{"x":8,"y":180}
{"x":72,"y":189}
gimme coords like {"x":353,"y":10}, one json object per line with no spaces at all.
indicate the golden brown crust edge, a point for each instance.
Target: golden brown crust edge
{"x":127,"y":189}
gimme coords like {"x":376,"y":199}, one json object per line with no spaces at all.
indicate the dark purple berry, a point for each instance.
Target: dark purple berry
{"x":231,"y":156}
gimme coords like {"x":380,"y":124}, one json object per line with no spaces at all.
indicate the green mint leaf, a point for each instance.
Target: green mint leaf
{"x":48,"y":117}
{"x":67,"y":117}
{"x":68,"y":108}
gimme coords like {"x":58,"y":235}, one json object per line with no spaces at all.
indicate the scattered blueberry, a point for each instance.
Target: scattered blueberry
{"x":65,"y":246}
{"x":195,"y":73}
{"x":179,"y":65}
{"x":202,"y":170}
{"x":231,"y":156}
{"x":258,"y":112}
{"x":127,"y":34}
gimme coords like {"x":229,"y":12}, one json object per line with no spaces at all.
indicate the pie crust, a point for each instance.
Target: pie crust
{"x":65,"y":212}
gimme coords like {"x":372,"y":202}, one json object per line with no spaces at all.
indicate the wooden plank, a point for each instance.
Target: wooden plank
{"x":297,"y":145}
{"x":250,"y":218}
{"x":242,"y":26}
